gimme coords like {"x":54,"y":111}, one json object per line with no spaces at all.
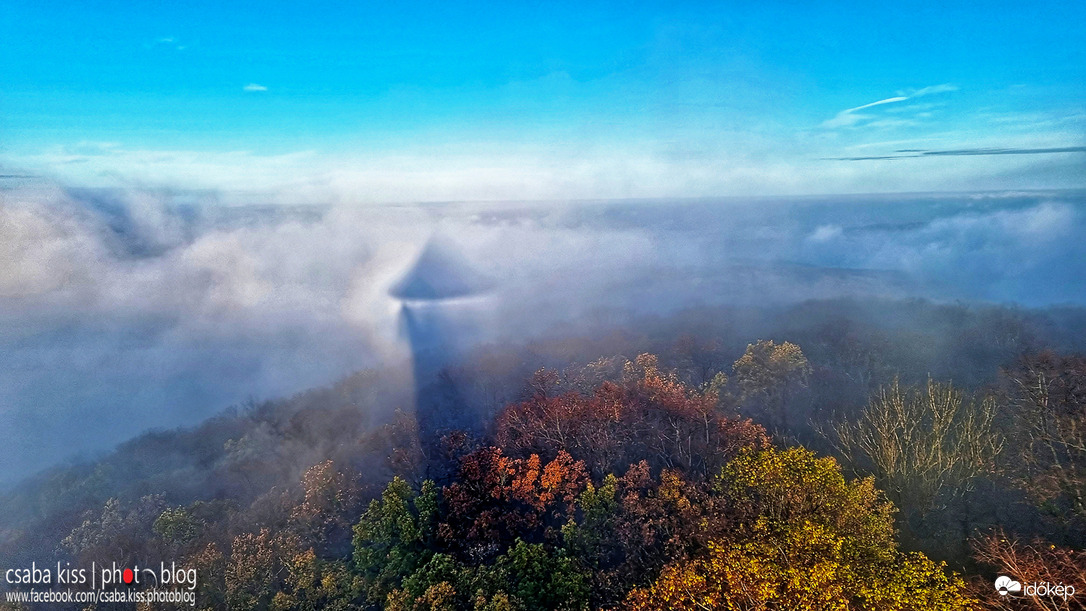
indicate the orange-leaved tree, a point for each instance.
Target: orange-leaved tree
{"x":497,"y":499}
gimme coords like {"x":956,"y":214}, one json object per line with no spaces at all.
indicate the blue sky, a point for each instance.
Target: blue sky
{"x":400,"y":101}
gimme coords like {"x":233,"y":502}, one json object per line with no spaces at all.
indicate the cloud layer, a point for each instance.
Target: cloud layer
{"x":125,"y":310}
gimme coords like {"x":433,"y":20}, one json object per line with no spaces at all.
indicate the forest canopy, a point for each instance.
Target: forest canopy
{"x":709,"y":473}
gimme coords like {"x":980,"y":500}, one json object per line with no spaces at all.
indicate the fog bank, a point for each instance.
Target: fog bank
{"x":122,"y":311}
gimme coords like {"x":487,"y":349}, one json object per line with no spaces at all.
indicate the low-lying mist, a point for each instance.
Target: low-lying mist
{"x":126,"y":311}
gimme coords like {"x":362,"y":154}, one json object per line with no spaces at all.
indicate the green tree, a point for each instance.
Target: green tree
{"x":177,"y":525}
{"x":769,"y":376}
{"x":313,"y":584}
{"x":528,"y":577}
{"x":541,"y":579}
{"x":394,"y":537}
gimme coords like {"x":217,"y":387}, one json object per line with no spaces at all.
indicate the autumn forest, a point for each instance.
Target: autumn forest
{"x":852,"y":462}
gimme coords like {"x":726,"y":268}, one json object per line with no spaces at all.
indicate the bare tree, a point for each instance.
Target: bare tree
{"x":1048,"y":397}
{"x":925,"y":446}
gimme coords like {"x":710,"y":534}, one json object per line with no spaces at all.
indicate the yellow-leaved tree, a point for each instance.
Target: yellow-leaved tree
{"x":809,"y":540}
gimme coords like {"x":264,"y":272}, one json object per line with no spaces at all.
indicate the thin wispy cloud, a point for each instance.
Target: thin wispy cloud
{"x":849,"y":116}
{"x":899,"y":98}
{"x":852,"y":116}
{"x":944,"y":88}
{"x":170,"y":41}
{"x":254,"y":87}
{"x":971,"y":152}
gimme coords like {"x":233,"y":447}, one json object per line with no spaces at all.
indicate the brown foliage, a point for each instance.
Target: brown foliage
{"x":650,"y":416}
{"x":1033,"y":562}
{"x":254,"y":571}
{"x":329,"y":506}
{"x":1048,"y":393}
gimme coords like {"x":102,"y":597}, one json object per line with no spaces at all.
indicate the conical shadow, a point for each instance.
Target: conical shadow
{"x":436,"y":293}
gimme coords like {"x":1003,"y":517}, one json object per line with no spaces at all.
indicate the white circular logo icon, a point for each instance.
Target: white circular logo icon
{"x":1005,"y":585}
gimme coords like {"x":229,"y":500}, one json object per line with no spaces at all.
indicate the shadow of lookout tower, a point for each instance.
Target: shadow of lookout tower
{"x":442,"y":298}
